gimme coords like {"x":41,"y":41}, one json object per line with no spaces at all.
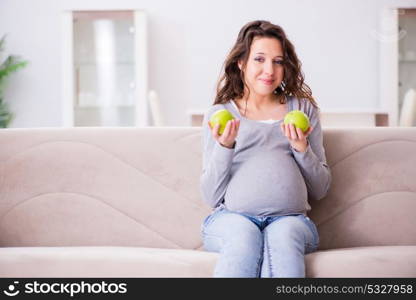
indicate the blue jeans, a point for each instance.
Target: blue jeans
{"x":251,"y":246}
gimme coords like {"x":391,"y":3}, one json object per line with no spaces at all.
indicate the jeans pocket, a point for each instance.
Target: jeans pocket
{"x":314,"y":230}
{"x":208,"y":219}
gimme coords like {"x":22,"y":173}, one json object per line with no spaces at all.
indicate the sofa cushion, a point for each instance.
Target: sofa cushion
{"x":372,"y":198}
{"x":104,"y":262}
{"x":383,"y":261}
{"x":136,"y":187}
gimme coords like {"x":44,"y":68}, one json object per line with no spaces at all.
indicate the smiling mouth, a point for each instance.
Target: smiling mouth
{"x":267,"y":82}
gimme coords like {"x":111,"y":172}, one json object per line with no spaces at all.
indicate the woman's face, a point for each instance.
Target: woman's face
{"x":264,"y":69}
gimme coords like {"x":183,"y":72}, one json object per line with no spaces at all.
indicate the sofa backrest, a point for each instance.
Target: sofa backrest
{"x":140,"y":187}
{"x":101,"y":187}
{"x":372,"y":199}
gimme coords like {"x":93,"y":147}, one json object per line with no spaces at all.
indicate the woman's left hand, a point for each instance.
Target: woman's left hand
{"x":296,"y":136}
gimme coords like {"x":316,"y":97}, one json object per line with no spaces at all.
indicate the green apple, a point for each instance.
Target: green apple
{"x":297,"y":118}
{"x":221,"y":117}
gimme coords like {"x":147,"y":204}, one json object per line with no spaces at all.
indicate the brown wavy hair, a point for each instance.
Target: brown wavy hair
{"x":231,"y":84}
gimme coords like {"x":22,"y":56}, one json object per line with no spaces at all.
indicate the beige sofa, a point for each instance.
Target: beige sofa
{"x":125,"y":202}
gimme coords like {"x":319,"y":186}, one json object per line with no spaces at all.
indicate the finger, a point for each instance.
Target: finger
{"x":287,"y":133}
{"x":227,"y":129}
{"x":238,"y":125}
{"x":307,"y":132}
{"x":232,"y":128}
{"x":215,"y":131}
{"x":228,"y":137}
{"x":300,"y":133}
{"x":293,"y":133}
{"x":235,"y":128}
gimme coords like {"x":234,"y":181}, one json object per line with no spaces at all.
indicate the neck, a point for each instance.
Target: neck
{"x":250,"y":106}
{"x":260,"y":103}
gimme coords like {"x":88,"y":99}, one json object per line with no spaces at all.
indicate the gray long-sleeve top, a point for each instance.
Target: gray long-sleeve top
{"x":263,"y":175}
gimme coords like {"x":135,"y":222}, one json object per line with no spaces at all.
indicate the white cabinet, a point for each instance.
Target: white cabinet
{"x":108,"y":69}
{"x":407,"y":59}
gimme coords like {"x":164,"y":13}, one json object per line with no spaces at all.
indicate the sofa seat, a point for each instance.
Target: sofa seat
{"x":380,"y":261}
{"x":105,"y":262}
{"x":374,"y":261}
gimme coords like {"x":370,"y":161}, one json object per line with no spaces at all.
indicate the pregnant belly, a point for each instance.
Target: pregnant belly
{"x":268,"y":181}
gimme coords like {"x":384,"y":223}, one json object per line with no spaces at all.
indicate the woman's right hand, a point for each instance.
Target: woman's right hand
{"x":227,"y":138}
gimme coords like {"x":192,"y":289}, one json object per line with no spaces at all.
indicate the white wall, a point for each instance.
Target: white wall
{"x":188,"y":42}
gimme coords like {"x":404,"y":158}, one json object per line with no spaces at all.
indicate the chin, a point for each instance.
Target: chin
{"x":264,"y":92}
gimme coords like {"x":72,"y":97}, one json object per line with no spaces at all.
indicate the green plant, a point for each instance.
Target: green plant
{"x":11,"y":64}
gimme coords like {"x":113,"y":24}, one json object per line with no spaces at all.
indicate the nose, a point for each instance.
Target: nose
{"x":268,"y":68}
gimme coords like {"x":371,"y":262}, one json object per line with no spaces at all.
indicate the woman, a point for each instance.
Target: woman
{"x":259,"y":174}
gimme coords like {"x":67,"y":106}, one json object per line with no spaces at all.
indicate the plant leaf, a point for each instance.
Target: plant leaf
{"x":10,"y":65}
{"x":5,"y":115}
{"x":2,"y":43}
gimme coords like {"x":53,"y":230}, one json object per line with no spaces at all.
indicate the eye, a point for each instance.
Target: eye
{"x":279,"y":62}
{"x":259,"y":59}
